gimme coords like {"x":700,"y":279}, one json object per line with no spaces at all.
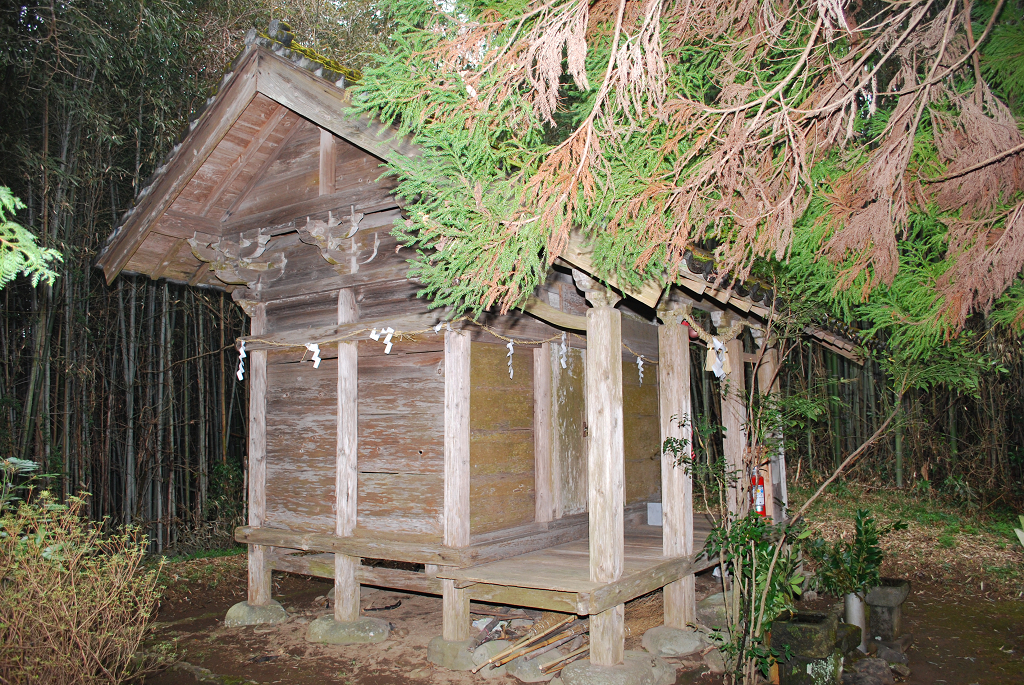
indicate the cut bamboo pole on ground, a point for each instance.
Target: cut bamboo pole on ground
{"x":559,"y":664}
{"x":525,"y":641}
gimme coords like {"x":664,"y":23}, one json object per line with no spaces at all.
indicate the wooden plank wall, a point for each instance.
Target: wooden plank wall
{"x":568,"y":434}
{"x":642,"y":433}
{"x":502,"y":487}
{"x":401,"y":438}
{"x":301,"y":441}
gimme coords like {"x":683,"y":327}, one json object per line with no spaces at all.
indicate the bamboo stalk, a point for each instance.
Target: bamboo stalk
{"x":571,"y":633}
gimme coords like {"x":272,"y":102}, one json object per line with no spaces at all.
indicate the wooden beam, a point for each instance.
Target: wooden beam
{"x":734,"y":418}
{"x":254,"y":146}
{"x":346,"y":486}
{"x":259,"y":573}
{"x":556,"y":317}
{"x":167,"y":259}
{"x":676,"y":482}
{"x":325,"y":105}
{"x":195,"y":150}
{"x":328,"y":162}
{"x":200,"y":274}
{"x":606,"y":475}
{"x":581,"y":257}
{"x":368,"y":546}
{"x":286,"y":218}
{"x":181,"y":225}
{"x":421,"y":323}
{"x":543,"y":485}
{"x":455,"y":606}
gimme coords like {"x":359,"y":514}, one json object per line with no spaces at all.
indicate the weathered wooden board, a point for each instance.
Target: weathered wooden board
{"x":501,"y":438}
{"x":641,"y":433}
{"x":568,"y":434}
{"x":405,"y":503}
{"x":301,"y":443}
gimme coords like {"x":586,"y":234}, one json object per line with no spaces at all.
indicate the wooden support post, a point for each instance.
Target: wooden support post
{"x":346,"y":587}
{"x":455,"y":619}
{"x":543,"y":485}
{"x":774,"y":473}
{"x":676,"y":483}
{"x":259,"y":572}
{"x":734,"y":418}
{"x":328,"y":161}
{"x":606,"y":474}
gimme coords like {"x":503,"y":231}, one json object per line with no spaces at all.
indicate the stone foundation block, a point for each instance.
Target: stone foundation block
{"x":455,"y":656}
{"x":245,"y":614}
{"x":638,"y":668}
{"x":665,"y":641}
{"x":325,"y":630}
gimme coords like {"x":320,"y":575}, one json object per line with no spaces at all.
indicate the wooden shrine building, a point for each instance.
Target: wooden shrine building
{"x":512,"y":457}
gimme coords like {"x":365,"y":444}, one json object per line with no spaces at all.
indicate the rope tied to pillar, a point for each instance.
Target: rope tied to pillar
{"x":717,"y":359}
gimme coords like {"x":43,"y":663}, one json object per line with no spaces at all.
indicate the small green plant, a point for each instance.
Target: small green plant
{"x":761,"y":560}
{"x":845,"y":567}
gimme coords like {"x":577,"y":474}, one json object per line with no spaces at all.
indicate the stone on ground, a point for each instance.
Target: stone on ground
{"x":874,"y":667}
{"x":891,"y":655}
{"x":711,"y":611}
{"x":528,"y":670}
{"x":715,"y":661}
{"x":853,"y":678}
{"x":484,"y":652}
{"x":638,"y":668}
{"x":325,"y":630}
{"x":245,"y":614}
{"x":665,"y":641}
{"x":847,"y":638}
{"x":455,"y":656}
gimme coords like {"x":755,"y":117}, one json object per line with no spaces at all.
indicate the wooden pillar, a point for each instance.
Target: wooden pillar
{"x":346,"y":485}
{"x":259,"y":573}
{"x":676,"y":483}
{"x":544,"y":509}
{"x":456,"y":476}
{"x":606,"y":476}
{"x":734,"y":418}
{"x":774,"y":473}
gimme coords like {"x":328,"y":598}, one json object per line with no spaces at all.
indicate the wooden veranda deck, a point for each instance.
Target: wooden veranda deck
{"x":565,"y":569}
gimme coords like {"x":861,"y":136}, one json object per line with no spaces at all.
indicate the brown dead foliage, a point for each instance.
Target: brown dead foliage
{"x":744,"y":176}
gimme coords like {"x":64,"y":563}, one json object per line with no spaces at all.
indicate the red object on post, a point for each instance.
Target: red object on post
{"x":692,"y":333}
{"x":757,"y":494}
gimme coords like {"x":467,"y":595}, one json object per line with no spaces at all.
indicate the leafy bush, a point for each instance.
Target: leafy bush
{"x":845,"y":567}
{"x":74,"y":602}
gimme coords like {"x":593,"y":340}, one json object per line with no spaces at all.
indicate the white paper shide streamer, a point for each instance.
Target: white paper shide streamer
{"x":564,"y":349}
{"x":509,"y":355}
{"x":240,"y":374}
{"x":640,"y":368}
{"x":315,"y":349}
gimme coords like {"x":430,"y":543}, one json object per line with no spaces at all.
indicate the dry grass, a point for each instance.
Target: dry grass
{"x":963,"y":551}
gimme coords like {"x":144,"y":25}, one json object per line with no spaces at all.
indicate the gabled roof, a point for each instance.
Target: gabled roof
{"x":270,"y":69}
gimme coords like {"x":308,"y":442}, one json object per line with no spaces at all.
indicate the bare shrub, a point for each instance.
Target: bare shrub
{"x":74,"y":602}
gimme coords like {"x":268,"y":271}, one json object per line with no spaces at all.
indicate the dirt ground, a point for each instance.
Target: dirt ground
{"x":958,"y":639}
{"x":190,"y":623}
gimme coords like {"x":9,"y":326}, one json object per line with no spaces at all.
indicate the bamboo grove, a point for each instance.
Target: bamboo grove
{"x":128,"y":392}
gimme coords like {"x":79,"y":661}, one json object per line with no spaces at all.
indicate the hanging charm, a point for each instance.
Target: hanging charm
{"x":561,"y":357}
{"x":315,"y":349}
{"x":717,"y":361}
{"x":240,"y":374}
{"x":640,"y":368}
{"x":509,"y":355}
